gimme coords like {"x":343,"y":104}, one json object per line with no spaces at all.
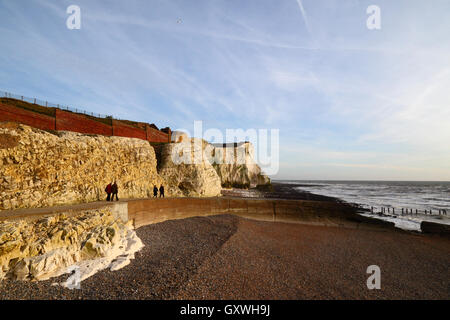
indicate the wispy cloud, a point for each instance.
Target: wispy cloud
{"x":304,"y":16}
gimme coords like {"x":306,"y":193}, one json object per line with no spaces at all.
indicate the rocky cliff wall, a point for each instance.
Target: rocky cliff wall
{"x":182,"y":166}
{"x":91,"y":240}
{"x":41,"y":169}
{"x":200,"y":168}
{"x":236,"y":166}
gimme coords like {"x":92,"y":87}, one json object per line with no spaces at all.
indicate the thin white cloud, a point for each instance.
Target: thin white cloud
{"x":304,"y":16}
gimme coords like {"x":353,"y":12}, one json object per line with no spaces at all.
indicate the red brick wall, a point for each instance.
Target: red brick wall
{"x":121,"y":129}
{"x":30,"y":118}
{"x":154,"y":135}
{"x":69,"y":121}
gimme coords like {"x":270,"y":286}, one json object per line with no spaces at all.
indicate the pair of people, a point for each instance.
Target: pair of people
{"x":112,"y":189}
{"x":161,"y":191}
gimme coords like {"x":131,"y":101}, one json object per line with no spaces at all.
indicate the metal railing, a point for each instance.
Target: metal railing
{"x":42,"y":103}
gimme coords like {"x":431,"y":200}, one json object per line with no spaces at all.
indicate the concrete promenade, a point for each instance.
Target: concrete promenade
{"x":155,"y":210}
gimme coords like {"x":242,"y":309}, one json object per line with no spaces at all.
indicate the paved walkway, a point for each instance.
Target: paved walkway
{"x":30,"y":213}
{"x":34,"y":212}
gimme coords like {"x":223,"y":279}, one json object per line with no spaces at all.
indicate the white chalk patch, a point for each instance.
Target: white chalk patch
{"x":117,"y":257}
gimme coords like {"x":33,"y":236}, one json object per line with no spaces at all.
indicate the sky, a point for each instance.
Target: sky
{"x":349,"y":103}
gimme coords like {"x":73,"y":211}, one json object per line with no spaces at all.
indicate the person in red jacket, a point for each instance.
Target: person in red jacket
{"x":108,"y":190}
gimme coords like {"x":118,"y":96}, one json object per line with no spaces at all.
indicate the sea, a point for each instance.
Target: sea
{"x":395,"y":195}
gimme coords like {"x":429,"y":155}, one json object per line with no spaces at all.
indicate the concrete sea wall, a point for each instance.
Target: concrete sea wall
{"x":145,"y":212}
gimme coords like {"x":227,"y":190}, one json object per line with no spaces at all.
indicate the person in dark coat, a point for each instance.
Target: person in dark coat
{"x":114,"y":191}
{"x":161,"y":191}
{"x":108,"y":191}
{"x":155,"y":192}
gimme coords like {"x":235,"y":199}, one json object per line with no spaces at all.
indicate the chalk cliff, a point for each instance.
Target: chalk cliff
{"x":45,"y":248}
{"x":40,"y":169}
{"x":44,"y":169}
{"x":199,"y":168}
{"x":182,"y":165}
{"x":242,"y":171}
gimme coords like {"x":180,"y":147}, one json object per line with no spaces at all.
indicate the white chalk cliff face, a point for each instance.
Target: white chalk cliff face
{"x":188,"y":163}
{"x":41,"y":169}
{"x":182,"y":165}
{"x":90,"y":240}
{"x":242,"y":171}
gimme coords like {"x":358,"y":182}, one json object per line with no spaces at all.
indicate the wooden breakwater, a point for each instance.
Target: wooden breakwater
{"x":407,"y":211}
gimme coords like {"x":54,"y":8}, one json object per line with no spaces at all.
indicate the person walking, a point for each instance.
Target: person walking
{"x":108,"y":190}
{"x":161,"y":191}
{"x":155,"y":192}
{"x":114,"y":191}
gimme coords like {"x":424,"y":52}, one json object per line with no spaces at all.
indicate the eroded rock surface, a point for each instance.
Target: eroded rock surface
{"x":241,"y":171}
{"x":41,"y":169}
{"x":199,"y":168}
{"x":45,"y":248}
{"x":182,"y":165}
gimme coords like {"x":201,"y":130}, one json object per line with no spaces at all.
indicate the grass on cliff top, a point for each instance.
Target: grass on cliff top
{"x":50,"y":111}
{"x":28,"y":106}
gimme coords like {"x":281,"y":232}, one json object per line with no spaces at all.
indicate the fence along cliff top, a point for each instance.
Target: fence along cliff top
{"x":49,"y":116}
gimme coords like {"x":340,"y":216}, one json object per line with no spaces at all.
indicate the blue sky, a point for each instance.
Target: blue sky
{"x":350,"y":103}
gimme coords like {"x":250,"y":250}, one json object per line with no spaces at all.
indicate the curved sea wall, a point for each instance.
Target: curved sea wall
{"x":323,"y":213}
